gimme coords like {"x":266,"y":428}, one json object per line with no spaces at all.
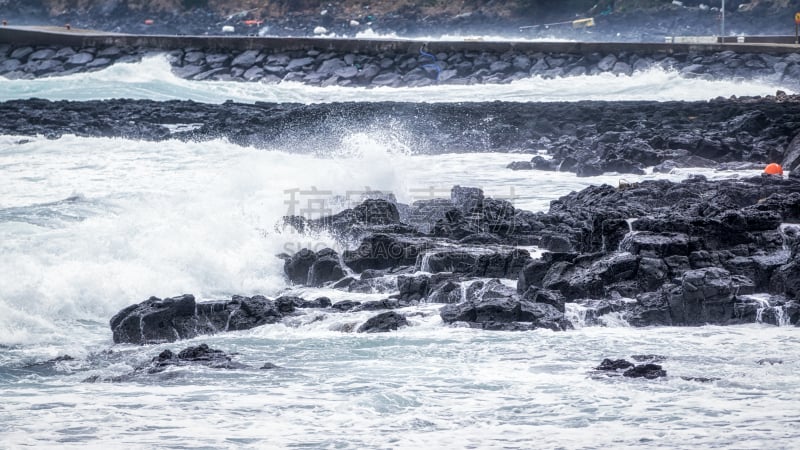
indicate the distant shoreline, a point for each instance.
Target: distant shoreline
{"x":33,"y":52}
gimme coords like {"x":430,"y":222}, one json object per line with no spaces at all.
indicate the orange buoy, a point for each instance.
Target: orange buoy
{"x":149,"y":22}
{"x":773,"y":169}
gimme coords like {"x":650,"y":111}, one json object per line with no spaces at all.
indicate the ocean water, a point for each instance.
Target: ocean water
{"x":91,"y":225}
{"x":513,"y":35}
{"x":152,"y":79}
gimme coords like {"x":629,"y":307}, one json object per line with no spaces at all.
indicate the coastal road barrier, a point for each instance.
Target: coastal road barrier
{"x":54,"y":36}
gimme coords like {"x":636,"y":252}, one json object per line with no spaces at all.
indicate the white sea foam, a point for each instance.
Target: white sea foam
{"x":90,"y":225}
{"x":152,"y":79}
{"x":431,"y":386}
{"x":519,"y":36}
{"x":167,"y":218}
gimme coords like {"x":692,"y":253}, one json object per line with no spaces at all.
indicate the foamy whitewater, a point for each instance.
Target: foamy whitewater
{"x":91,"y":225}
{"x":516,"y":35}
{"x":153,"y":79}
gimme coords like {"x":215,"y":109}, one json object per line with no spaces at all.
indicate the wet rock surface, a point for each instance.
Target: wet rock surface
{"x":658,"y":253}
{"x":383,"y":323}
{"x":693,"y":254}
{"x":649,"y":371}
{"x":314,"y":269}
{"x":628,"y":137}
{"x":167,"y":320}
{"x":495,"y":306}
{"x":196,"y":356}
{"x":408,"y":65}
{"x":654,"y":253}
{"x":614,"y":364}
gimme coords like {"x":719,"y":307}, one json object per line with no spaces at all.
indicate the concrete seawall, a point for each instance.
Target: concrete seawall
{"x":48,"y":51}
{"x":50,"y":36}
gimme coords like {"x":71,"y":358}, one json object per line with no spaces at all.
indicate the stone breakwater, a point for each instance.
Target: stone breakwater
{"x":409,"y":66}
{"x":586,"y":138}
{"x":656,"y":253}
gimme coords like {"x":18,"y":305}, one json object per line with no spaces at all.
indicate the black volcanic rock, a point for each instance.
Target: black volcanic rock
{"x":200,"y":355}
{"x":313,"y":269}
{"x":171,"y":319}
{"x":786,"y":278}
{"x":414,"y":287}
{"x":447,"y":292}
{"x":684,"y":129}
{"x":383,"y":251}
{"x":388,"y":303}
{"x":383,"y":323}
{"x":692,"y":271}
{"x":651,"y":309}
{"x":534,"y":272}
{"x":592,"y":277}
{"x":326,"y":268}
{"x":684,"y":253}
{"x":494,"y":306}
{"x":655,"y":252}
{"x":368,"y":215}
{"x":648,"y":371}
{"x":791,"y":157}
{"x":476,"y":262}
{"x":552,"y":298}
{"x":656,"y":245}
{"x":298,"y":266}
{"x":298,"y":302}
{"x":345,"y":305}
{"x":475,"y":216}
{"x":614,"y":364}
{"x":705,"y":296}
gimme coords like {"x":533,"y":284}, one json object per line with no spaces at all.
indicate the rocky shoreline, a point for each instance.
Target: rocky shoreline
{"x":656,"y":253}
{"x":322,"y":67}
{"x":587,"y":138}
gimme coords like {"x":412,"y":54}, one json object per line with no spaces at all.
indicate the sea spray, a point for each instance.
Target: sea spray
{"x":152,"y":79}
